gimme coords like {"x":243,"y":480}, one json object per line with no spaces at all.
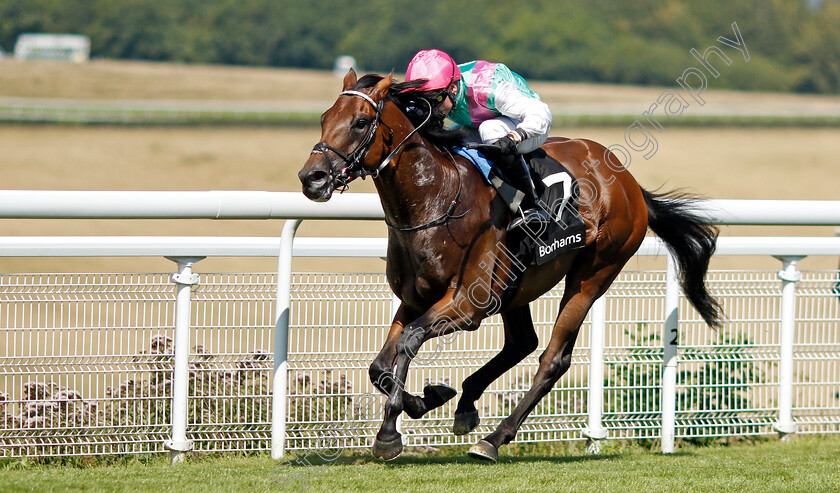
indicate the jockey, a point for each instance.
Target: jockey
{"x":498,"y":104}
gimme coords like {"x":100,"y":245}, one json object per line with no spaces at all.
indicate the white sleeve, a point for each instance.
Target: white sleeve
{"x":534,"y":115}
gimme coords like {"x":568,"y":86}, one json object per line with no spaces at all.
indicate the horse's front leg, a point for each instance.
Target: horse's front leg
{"x":443,"y":318}
{"x":382,"y":372}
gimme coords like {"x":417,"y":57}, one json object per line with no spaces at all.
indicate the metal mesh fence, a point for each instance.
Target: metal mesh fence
{"x":86,"y":363}
{"x":816,"y":353}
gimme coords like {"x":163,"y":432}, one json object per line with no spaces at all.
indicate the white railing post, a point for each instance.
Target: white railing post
{"x":595,"y":431}
{"x":670,"y":333}
{"x":178,"y":445}
{"x":279,"y":386}
{"x":789,"y":276}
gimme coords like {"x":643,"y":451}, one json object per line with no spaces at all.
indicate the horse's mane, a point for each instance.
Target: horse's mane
{"x":409,"y":99}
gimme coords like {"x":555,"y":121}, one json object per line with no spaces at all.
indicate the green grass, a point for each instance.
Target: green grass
{"x":232,"y":117}
{"x":735,"y":120}
{"x":807,"y":464}
{"x":138,"y":116}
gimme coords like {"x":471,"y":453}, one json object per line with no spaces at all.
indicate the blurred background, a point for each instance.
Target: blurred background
{"x":794,"y":44}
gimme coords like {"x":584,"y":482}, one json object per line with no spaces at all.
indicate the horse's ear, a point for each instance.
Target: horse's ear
{"x":349,"y":80}
{"x":381,"y":89}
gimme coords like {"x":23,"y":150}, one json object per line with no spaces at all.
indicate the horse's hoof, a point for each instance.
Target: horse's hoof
{"x":465,"y":422}
{"x":439,"y":393}
{"x":387,"y":450}
{"x":484,"y":450}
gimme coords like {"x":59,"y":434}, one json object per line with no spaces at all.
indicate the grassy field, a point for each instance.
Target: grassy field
{"x":785,"y":163}
{"x":137,"y":93}
{"x":109,"y":79}
{"x":808,"y":464}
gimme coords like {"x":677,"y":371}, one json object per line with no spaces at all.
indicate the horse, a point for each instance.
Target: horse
{"x":448,"y":258}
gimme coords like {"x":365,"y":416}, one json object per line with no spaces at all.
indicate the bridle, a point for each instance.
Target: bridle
{"x":353,"y":162}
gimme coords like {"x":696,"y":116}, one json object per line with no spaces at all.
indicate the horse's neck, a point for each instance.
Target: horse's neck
{"x":418,"y":186}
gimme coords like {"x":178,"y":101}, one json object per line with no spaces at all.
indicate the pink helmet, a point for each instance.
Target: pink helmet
{"x":434,"y":65}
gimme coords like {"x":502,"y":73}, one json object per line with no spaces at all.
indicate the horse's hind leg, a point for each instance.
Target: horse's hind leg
{"x":583,"y":287}
{"x":520,"y":341}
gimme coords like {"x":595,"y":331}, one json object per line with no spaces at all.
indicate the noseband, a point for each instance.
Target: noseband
{"x":355,"y":169}
{"x":353,"y":162}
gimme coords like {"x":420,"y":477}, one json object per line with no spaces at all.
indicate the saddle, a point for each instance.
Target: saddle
{"x":536,"y":243}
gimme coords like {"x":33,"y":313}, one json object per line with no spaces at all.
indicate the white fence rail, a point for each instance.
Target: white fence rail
{"x":90,"y":366}
{"x":289,"y":205}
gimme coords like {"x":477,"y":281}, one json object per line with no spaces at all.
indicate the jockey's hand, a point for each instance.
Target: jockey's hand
{"x":506,"y":145}
{"x":502,"y":152}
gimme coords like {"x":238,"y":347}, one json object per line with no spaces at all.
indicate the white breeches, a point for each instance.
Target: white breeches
{"x":493,"y":130}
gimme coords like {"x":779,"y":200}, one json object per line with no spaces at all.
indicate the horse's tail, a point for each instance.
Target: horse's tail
{"x":691,"y":239}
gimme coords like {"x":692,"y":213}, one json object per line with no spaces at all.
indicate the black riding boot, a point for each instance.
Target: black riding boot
{"x":517,"y":172}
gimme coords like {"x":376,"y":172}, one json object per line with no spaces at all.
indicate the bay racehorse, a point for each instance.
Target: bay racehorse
{"x":447,"y":238}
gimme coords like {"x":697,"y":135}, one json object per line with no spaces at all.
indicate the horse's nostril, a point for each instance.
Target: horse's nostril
{"x":317,"y":177}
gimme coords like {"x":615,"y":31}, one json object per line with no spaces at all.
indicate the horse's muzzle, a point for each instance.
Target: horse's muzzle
{"x":317,"y":183}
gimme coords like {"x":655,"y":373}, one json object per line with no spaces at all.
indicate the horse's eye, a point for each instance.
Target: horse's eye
{"x":360,"y":124}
